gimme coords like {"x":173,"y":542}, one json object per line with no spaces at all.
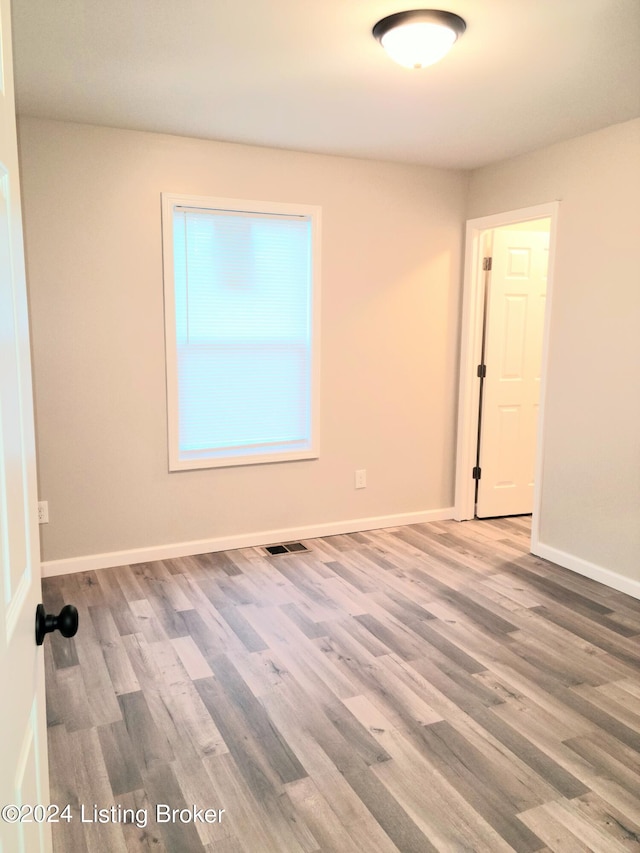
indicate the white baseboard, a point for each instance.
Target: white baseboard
{"x":90,"y":562}
{"x":590,"y":570}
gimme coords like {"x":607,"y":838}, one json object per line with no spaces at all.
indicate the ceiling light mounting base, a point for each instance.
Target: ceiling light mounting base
{"x":419,"y":37}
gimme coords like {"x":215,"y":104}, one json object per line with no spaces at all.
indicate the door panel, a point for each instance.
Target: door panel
{"x":513,"y":357}
{"x":513,"y":337}
{"x":23,"y":769}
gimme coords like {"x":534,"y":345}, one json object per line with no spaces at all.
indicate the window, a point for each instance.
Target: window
{"x":242,"y":293}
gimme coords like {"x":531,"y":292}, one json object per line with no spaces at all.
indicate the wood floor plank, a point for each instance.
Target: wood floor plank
{"x":395,"y":820}
{"x":119,"y":758}
{"x":248,"y":816}
{"x":326,"y":829}
{"x":192,"y":731}
{"x":140,"y":838}
{"x":616,"y":797}
{"x":299,"y":654}
{"x":147,"y":623}
{"x":93,"y":788}
{"x":601,"y":814}
{"x":210,"y":642}
{"x":553,"y":831}
{"x":602,"y":636}
{"x":263,"y":758}
{"x":466,"y":770}
{"x":122,"y":676}
{"x":192,"y":658}
{"x":298,"y":820}
{"x":329,"y":781}
{"x":436,"y":806}
{"x":609,"y":758}
{"x":351,"y":812}
{"x":543,"y":765}
{"x":595,"y":838}
{"x":425,"y":688}
{"x":163,"y":789}
{"x":150,"y":744}
{"x":394,"y":636}
{"x":63,"y":787}
{"x":552,"y":635}
{"x":398,"y":691}
{"x":70,"y":699}
{"x":309,"y":627}
{"x":286,"y":707}
{"x":196,"y":788}
{"x":250,"y":638}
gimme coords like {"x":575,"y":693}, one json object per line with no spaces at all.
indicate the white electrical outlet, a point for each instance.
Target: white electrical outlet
{"x":43,"y":512}
{"x":361,"y":478}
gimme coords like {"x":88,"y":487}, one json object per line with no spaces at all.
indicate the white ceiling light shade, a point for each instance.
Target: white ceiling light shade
{"x":419,"y":38}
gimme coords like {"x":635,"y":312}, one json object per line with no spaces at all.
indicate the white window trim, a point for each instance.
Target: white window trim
{"x":169,"y":202}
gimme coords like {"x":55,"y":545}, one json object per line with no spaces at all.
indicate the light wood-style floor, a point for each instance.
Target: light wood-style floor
{"x":424,"y":688}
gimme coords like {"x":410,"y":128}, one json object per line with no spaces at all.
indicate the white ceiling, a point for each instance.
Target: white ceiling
{"x":308,"y":75}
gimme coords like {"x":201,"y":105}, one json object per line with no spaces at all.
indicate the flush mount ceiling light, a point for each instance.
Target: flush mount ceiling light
{"x":419,"y":38}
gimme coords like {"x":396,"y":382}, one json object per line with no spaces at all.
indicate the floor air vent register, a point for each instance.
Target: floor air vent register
{"x":289,"y":548}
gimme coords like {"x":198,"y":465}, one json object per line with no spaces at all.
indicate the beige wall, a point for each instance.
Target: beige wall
{"x":390,"y":313}
{"x":591,"y":478}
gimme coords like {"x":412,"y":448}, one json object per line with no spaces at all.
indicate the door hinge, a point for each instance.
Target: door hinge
{"x":486,"y":263}
{"x":482,"y":371}
{"x":477,"y":473}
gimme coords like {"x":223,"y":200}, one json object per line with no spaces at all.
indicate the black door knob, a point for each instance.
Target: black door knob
{"x":66,"y":622}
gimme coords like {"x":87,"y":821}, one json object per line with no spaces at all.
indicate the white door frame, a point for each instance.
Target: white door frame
{"x":470,"y":355}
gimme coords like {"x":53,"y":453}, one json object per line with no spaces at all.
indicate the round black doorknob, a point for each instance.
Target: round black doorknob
{"x":66,"y":622}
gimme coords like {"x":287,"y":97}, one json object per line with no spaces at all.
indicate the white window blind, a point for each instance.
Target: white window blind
{"x":240,"y":334}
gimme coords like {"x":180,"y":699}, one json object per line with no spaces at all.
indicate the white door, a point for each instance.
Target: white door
{"x":513,"y":357}
{"x":23,"y":748}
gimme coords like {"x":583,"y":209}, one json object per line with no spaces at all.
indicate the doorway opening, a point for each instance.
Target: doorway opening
{"x":504,"y":344}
